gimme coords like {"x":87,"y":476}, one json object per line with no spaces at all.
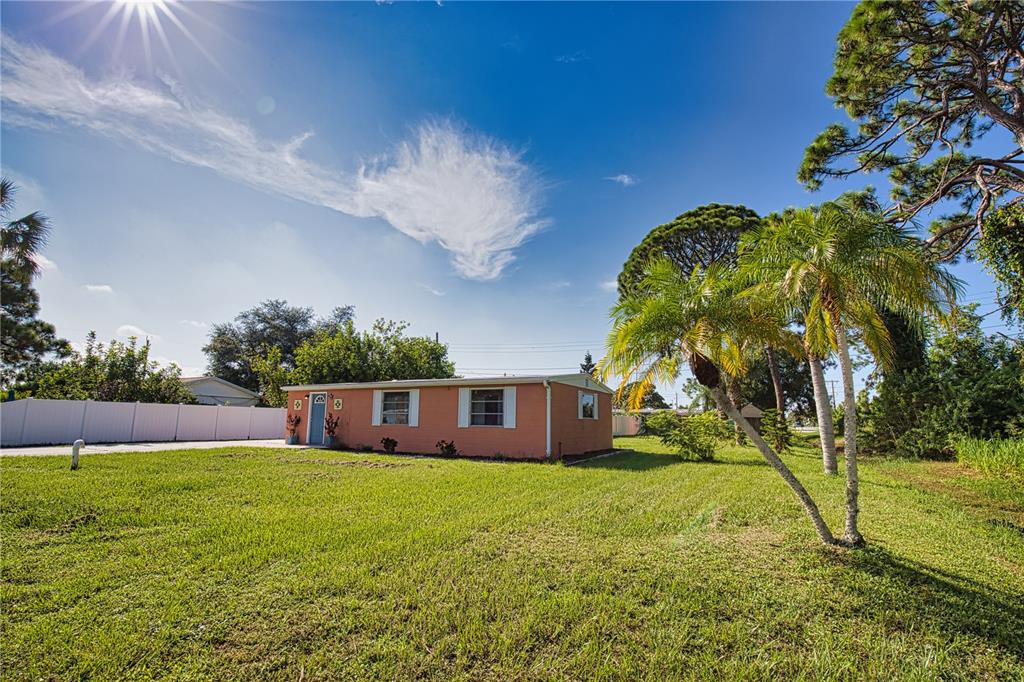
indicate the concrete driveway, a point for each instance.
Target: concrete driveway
{"x":65,"y":450}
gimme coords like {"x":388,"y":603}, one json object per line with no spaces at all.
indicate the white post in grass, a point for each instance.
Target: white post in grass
{"x":75,"y":447}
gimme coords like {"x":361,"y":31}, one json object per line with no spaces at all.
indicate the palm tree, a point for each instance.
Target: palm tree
{"x":837,"y":267}
{"x":672,"y":318}
{"x":23,"y":337}
{"x":21,"y":239}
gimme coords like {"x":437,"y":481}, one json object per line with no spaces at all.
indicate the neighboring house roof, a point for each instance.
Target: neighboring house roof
{"x":751,"y":410}
{"x":748,"y":410}
{"x":189,"y":381}
{"x":683,"y":411}
{"x":579,"y":379}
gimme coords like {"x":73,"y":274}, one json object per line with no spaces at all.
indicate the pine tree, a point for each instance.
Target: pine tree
{"x":588,"y":366}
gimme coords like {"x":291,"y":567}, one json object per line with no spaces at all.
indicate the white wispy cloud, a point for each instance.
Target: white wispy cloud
{"x":194,"y":323}
{"x":99,"y":288}
{"x":573,"y":57}
{"x":556,"y":285}
{"x":469,"y":193}
{"x":623,"y":179}
{"x":428,"y":288}
{"x":473,"y":195}
{"x":609,"y":285}
{"x":126,"y":330}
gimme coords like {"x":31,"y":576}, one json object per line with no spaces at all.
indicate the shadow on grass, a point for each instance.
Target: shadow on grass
{"x":949,"y":603}
{"x":636,"y":460}
{"x":631,"y":460}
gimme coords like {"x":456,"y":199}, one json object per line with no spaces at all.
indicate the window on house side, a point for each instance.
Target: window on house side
{"x":588,"y":406}
{"x":394,"y":407}
{"x":487,"y":407}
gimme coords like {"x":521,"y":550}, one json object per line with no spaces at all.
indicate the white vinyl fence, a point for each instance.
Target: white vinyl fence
{"x":48,"y":422}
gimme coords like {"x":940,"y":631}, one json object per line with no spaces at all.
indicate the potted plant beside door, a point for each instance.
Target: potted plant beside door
{"x":330,"y":428}
{"x":293,"y":424}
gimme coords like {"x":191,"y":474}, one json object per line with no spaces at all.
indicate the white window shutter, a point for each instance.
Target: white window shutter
{"x":596,"y":399}
{"x":464,"y":394}
{"x":377,"y":399}
{"x":414,"y":407}
{"x":509,"y":420}
{"x":579,"y":404}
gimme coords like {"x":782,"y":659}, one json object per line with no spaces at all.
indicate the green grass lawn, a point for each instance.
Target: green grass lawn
{"x":301,"y":564}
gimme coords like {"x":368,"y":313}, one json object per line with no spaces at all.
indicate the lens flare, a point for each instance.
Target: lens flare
{"x":152,"y":18}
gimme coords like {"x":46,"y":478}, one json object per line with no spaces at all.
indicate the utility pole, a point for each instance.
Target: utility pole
{"x":437,"y":337}
{"x":832,"y":393}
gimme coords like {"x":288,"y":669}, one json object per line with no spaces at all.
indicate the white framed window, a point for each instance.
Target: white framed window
{"x":394,"y":407}
{"x":400,"y":408}
{"x":487,"y":407}
{"x":587,"y":405}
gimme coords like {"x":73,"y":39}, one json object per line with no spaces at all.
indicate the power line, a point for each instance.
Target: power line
{"x":524,"y":350}
{"x":549,"y":344}
{"x":516,"y":369}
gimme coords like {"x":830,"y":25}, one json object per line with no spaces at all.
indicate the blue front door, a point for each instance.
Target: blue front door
{"x":316,"y":419}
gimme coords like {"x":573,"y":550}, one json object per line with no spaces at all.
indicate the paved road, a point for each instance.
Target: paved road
{"x":65,"y":450}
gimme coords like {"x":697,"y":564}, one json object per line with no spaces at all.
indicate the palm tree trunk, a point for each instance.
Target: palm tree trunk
{"x":773,"y":369}
{"x":823,"y":408}
{"x":852,"y":536}
{"x":733,"y":389}
{"x":724,"y":404}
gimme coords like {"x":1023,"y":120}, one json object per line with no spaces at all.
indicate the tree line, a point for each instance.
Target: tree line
{"x":728,"y":294}
{"x":263,"y":348}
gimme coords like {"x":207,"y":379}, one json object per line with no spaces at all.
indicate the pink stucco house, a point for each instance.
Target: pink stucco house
{"x":535,"y":417}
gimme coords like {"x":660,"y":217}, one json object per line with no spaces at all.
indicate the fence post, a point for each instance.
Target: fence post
{"x":252,"y":413}
{"x":216,"y":421}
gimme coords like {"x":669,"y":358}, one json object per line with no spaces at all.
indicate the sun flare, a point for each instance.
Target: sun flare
{"x":152,"y":19}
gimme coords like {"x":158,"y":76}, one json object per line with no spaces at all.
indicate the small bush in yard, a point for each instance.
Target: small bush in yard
{"x":389,"y":445}
{"x":697,"y":437}
{"x":995,"y":457}
{"x":661,"y":423}
{"x":447,"y":448}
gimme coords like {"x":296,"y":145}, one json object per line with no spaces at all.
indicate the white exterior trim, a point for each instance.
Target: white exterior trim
{"x":579,"y":405}
{"x":579,"y":380}
{"x":378,"y":398}
{"x":508,"y":419}
{"x":414,"y":407}
{"x":508,"y":412}
{"x":464,"y":398}
{"x":377,"y":415}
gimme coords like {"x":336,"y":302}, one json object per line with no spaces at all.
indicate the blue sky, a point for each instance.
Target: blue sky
{"x":479,"y":170}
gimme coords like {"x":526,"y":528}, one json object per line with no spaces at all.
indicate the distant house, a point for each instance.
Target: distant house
{"x":534,"y":417}
{"x":753,"y":415}
{"x":630,"y":423}
{"x":214,"y":391}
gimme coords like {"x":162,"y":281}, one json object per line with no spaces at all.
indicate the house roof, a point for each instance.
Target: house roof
{"x":751,"y":410}
{"x":188,"y":381}
{"x":579,"y":379}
